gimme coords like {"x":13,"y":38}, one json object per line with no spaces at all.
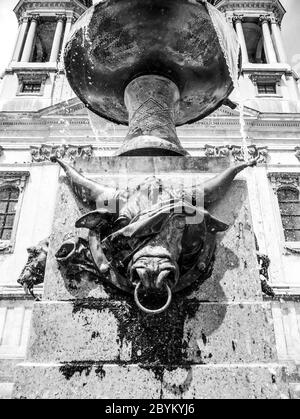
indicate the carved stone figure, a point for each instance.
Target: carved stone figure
{"x":34,"y":270}
{"x":153,"y":240}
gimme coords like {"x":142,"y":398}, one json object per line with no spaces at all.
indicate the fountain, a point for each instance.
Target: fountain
{"x":151,"y":285}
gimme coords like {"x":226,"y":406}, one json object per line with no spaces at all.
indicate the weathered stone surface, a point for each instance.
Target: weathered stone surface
{"x":113,"y":381}
{"x":235,"y":273}
{"x":6,"y":390}
{"x":86,"y":381}
{"x":109,"y":331}
{"x":226,"y":382}
{"x":7,"y":366}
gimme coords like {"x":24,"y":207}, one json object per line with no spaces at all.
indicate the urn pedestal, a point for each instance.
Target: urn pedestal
{"x":216,"y":340}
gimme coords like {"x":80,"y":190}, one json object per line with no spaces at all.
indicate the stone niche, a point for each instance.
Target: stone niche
{"x":216,"y":340}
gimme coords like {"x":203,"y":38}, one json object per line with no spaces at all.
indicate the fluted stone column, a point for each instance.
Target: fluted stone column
{"x":237,"y":19}
{"x":268,"y":43}
{"x":57,"y":38}
{"x":69,"y":23}
{"x":282,"y":58}
{"x":30,"y":39}
{"x":20,"y":39}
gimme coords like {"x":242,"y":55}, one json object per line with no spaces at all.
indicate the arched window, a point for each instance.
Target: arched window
{"x":289,"y":204}
{"x":9,"y":196}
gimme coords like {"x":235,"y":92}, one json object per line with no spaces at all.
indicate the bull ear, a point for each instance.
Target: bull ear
{"x":214,"y":225}
{"x":95,"y":219}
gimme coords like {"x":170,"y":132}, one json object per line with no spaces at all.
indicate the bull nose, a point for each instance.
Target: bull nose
{"x":153,"y":279}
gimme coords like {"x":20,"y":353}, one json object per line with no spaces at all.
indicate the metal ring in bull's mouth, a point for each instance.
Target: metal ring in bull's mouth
{"x":148,"y":310}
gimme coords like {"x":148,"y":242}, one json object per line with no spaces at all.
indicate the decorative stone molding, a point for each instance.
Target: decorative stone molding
{"x":266,"y":77}
{"x":18,"y":180}
{"x":78,"y":7}
{"x":261,"y":6}
{"x":281,"y":180}
{"x":69,"y":152}
{"x":237,"y":153}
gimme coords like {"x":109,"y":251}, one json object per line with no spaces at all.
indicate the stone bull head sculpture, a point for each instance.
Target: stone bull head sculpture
{"x":153,"y":240}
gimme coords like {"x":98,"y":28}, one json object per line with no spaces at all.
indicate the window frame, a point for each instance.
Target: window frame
{"x":7,"y":212}
{"x":266,"y":77}
{"x":31,"y":83}
{"x":279,"y":181}
{"x":17,"y":180}
{"x":27,"y":77}
{"x":265,"y":85}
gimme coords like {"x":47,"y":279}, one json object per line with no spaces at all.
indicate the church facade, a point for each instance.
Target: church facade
{"x":40,"y":116}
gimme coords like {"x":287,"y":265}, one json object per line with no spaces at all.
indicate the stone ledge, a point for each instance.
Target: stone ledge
{"x":190,"y":331}
{"x":98,"y":381}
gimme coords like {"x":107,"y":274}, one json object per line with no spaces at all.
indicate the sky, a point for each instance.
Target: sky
{"x":290,"y":31}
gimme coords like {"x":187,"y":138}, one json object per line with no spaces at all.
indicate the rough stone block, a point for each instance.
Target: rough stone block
{"x":88,"y":381}
{"x":85,"y":381}
{"x":190,"y":331}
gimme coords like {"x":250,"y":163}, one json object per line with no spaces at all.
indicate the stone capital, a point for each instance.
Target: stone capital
{"x":61,"y":17}
{"x":265,"y":18}
{"x":34,"y":17}
{"x":237,"y":18}
{"x":23,"y":19}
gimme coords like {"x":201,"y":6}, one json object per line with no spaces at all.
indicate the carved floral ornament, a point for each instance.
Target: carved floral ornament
{"x":69,"y":152}
{"x":237,"y":152}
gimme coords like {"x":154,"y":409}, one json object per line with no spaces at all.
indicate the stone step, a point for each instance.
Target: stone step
{"x":87,"y":380}
{"x":189,"y":331}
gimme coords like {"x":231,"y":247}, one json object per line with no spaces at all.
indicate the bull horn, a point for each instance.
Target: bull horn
{"x":215,"y":188}
{"x":86,"y":189}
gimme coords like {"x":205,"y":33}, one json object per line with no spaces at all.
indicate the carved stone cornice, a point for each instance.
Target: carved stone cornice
{"x":28,"y":5}
{"x":32,"y":76}
{"x":273,"y":7}
{"x":68,"y":152}
{"x":266,"y":76}
{"x":281,"y":180}
{"x":237,"y":152}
